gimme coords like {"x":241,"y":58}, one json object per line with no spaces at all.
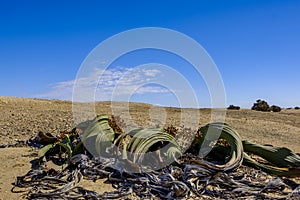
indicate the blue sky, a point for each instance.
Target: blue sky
{"x":255,"y":45}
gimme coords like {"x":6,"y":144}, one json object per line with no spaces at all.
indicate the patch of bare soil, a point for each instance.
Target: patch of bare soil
{"x":22,"y":119}
{"x":14,"y":162}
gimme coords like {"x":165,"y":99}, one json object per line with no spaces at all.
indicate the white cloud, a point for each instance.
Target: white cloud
{"x":102,"y":83}
{"x":151,"y":72}
{"x":151,"y":89}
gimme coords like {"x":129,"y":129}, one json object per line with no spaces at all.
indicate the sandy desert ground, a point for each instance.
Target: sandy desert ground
{"x":23,"y":118}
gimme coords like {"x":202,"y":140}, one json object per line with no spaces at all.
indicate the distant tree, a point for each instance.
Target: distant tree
{"x":233,"y":107}
{"x":275,"y":108}
{"x":297,"y":108}
{"x":261,"y":105}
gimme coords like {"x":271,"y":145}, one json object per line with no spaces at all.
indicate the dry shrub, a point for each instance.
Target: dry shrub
{"x":171,"y":130}
{"x":116,"y":123}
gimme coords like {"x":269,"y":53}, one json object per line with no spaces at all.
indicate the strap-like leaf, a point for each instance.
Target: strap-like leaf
{"x":143,"y":140}
{"x":68,"y":149}
{"x":279,"y":156}
{"x":44,"y":150}
{"x":46,"y":138}
{"x":232,"y":137}
{"x":279,"y":171}
{"x":99,"y":135}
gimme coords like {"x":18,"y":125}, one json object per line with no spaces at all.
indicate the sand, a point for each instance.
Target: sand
{"x":23,"y":118}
